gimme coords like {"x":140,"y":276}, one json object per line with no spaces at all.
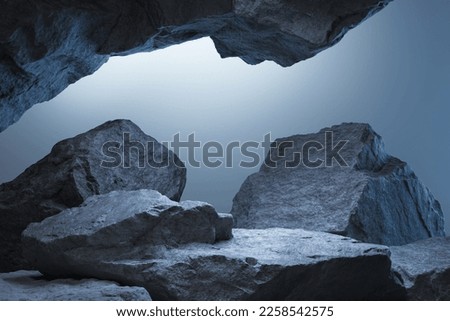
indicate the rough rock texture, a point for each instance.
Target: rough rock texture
{"x":32,"y":286}
{"x":425,"y":268}
{"x":119,"y":222}
{"x":272,"y":264}
{"x":45,"y":45}
{"x":224,"y":226}
{"x":73,"y":171}
{"x":377,"y":198}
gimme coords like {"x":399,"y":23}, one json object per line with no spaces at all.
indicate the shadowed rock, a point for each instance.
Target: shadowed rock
{"x":224,"y":227}
{"x":32,"y":286}
{"x":362,"y":192}
{"x":47,"y":45}
{"x":425,"y":268}
{"x":78,"y":168}
{"x":120,"y":221}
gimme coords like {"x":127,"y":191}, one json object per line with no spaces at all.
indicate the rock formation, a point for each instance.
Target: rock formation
{"x":272,"y":264}
{"x":99,"y":213}
{"x":424,"y":267}
{"x":348,"y":185}
{"x":114,"y":156}
{"x":47,"y":45}
{"x":119,"y":222}
{"x":32,"y":286}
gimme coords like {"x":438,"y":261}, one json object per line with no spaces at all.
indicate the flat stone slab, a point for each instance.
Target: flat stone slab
{"x":271,"y":264}
{"x":121,"y":221}
{"x":32,"y":286}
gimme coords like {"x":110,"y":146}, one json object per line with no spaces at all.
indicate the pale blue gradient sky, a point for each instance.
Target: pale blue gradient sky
{"x":393,"y":72}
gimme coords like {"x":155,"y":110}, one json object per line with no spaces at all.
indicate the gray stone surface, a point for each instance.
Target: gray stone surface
{"x":377,"y":198}
{"x":424,"y":267}
{"x":45,"y":45}
{"x":272,"y":264}
{"x":72,"y":172}
{"x":32,"y":286}
{"x":119,"y":222}
{"x":224,"y":227}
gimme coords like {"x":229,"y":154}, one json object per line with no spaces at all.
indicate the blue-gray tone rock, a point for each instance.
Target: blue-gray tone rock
{"x":271,"y":264}
{"x":119,"y":222}
{"x":371,"y":196}
{"x":224,"y":227}
{"x":424,"y":267}
{"x":32,"y":286}
{"x":47,"y":45}
{"x":73,"y":172}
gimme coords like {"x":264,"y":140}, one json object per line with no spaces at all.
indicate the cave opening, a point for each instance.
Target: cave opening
{"x":189,"y":89}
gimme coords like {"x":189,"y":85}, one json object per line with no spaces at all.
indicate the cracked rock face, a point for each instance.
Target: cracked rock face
{"x":47,"y":45}
{"x":424,"y":267}
{"x":366,"y":194}
{"x":32,"y":286}
{"x":73,"y":171}
{"x":272,"y":264}
{"x":119,"y":222}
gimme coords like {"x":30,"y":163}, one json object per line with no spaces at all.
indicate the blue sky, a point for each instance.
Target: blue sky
{"x":393,"y":72}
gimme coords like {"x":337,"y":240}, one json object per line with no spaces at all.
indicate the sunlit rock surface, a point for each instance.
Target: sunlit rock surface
{"x":47,"y":45}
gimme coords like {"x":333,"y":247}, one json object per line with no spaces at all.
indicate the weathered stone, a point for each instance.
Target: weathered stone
{"x":73,"y":171}
{"x":425,"y":268}
{"x":47,"y":45}
{"x":32,"y":286}
{"x":371,"y":196}
{"x":272,"y":264}
{"x":120,"y":221}
{"x":224,"y":227}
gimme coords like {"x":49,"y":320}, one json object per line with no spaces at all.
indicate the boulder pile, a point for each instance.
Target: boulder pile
{"x":360,"y":226}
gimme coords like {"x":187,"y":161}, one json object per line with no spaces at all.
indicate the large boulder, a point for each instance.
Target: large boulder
{"x":119,"y":222}
{"x":114,"y":156}
{"x":45,"y":45}
{"x":173,"y":252}
{"x":424,"y":267}
{"x":32,"y":286}
{"x":348,"y":185}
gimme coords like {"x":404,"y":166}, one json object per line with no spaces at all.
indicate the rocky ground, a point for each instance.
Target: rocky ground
{"x":366,"y":231}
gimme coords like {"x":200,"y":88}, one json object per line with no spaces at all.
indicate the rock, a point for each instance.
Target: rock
{"x":425,"y":268}
{"x":120,"y":221}
{"x":272,"y":264}
{"x":32,"y":286}
{"x":224,"y":227}
{"x":47,"y":45}
{"x":366,"y":194}
{"x":78,"y":168}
